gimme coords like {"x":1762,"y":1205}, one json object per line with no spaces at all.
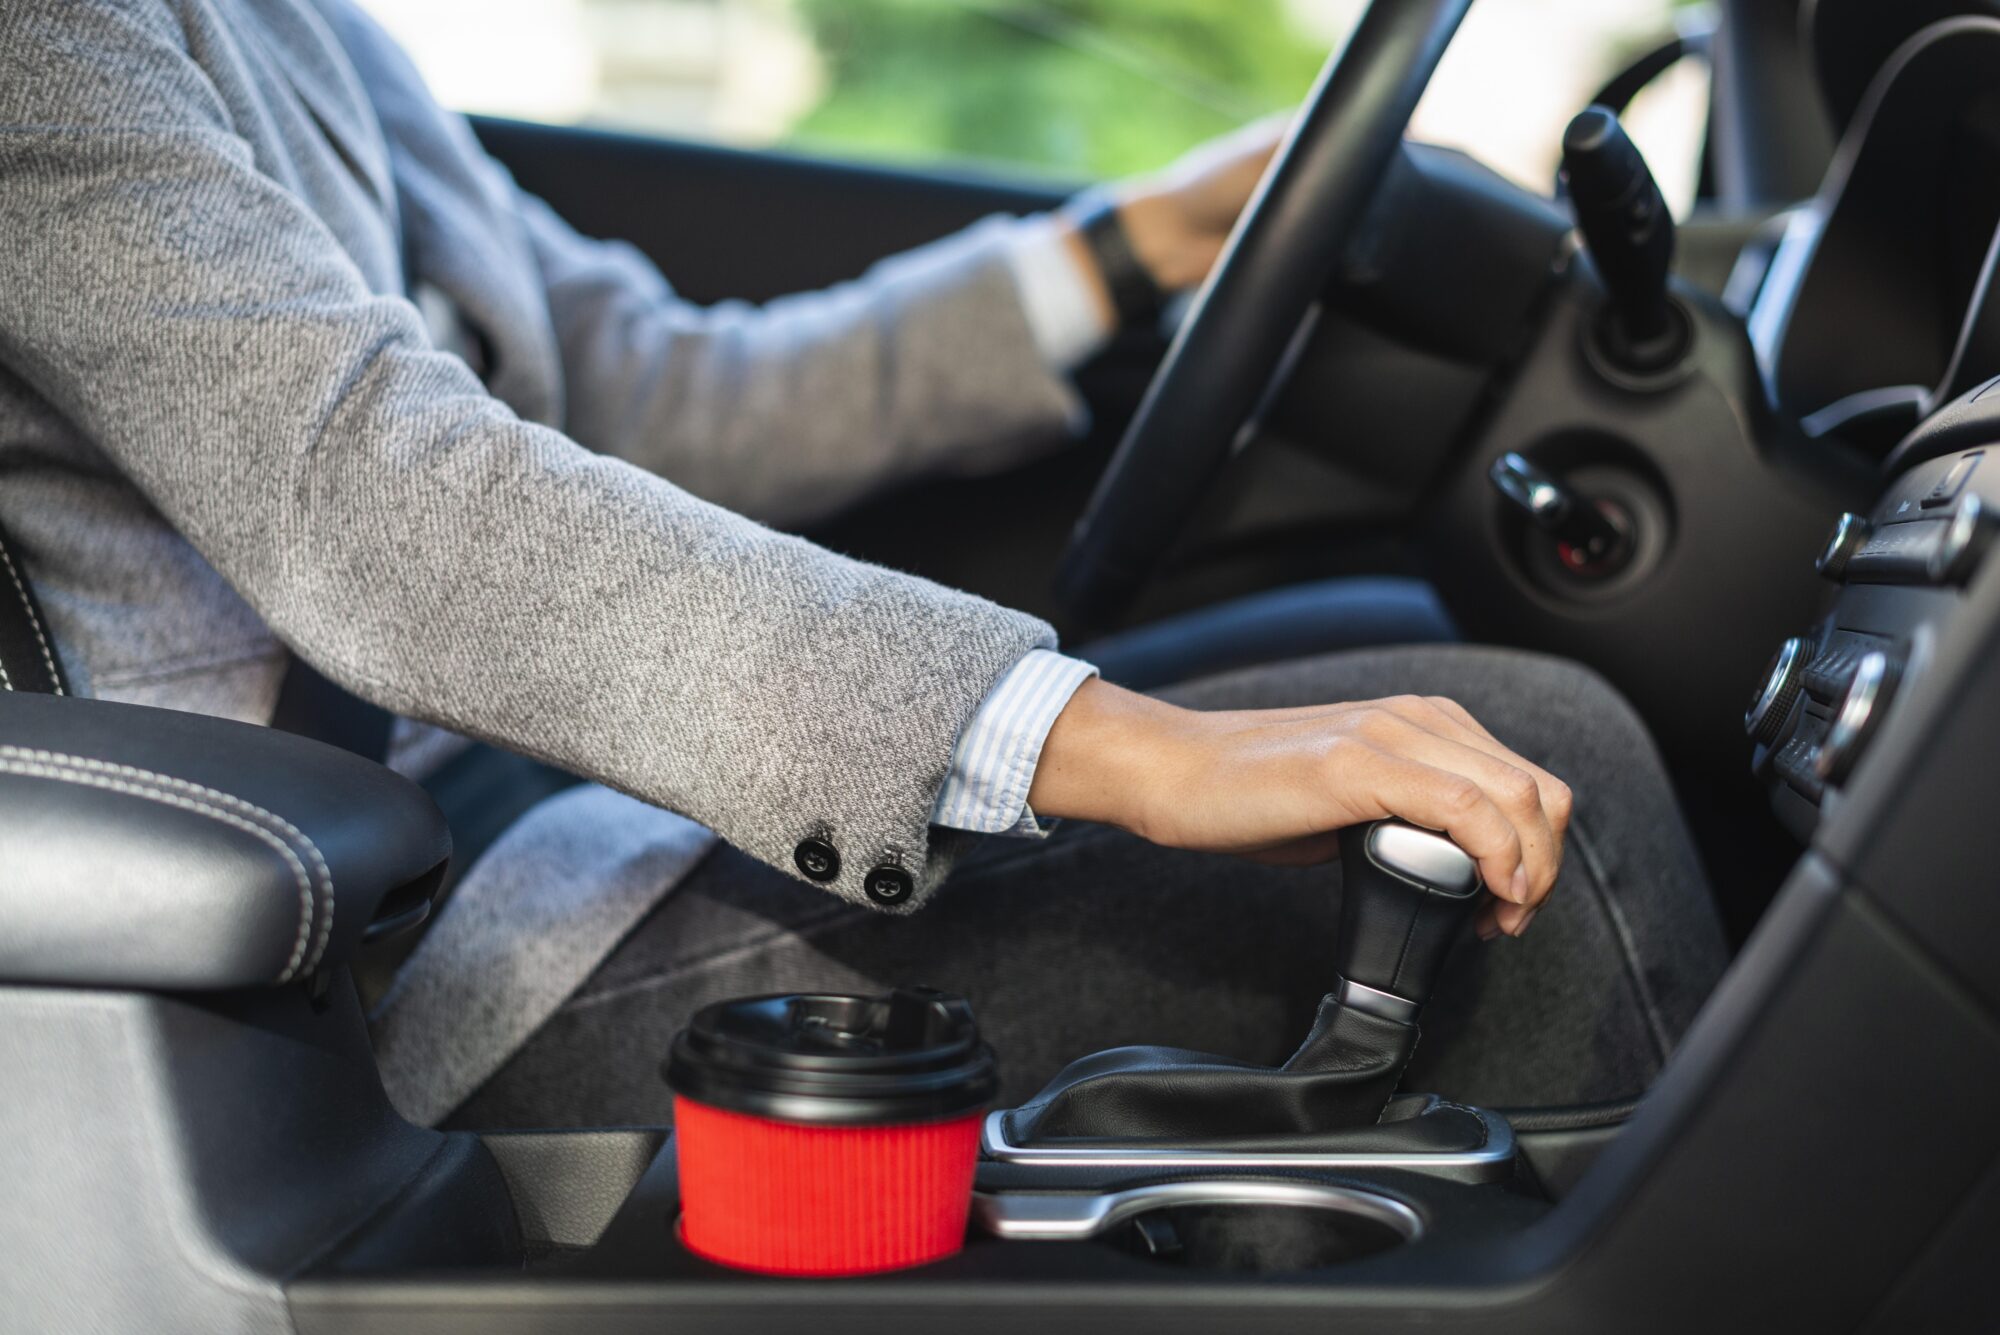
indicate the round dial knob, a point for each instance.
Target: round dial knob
{"x":1850,"y":531}
{"x":1765,"y":719}
{"x":1860,"y":713}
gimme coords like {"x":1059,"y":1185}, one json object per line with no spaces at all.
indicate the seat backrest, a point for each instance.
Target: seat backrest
{"x":28,"y":660}
{"x":308,"y":704}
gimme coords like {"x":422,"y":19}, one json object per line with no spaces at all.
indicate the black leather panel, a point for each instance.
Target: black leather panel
{"x":1340,"y":1078}
{"x":28,"y":659}
{"x":158,"y":849}
{"x":1395,"y":932}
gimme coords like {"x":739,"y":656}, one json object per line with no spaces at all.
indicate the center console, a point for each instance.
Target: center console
{"x":1818,"y":1153}
{"x":194,"y":1136}
{"x":1135,"y":1165}
{"x":1733,"y":1198}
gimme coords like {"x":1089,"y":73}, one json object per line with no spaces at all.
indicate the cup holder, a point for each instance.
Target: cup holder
{"x":1217,"y":1225}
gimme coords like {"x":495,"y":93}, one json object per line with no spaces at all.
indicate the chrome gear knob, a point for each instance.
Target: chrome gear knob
{"x":1408,"y":892}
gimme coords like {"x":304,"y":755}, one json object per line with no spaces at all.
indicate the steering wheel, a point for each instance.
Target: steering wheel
{"x":1277,"y":260}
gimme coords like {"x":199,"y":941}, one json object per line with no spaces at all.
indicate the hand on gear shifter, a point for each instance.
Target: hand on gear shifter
{"x":1276,"y":784}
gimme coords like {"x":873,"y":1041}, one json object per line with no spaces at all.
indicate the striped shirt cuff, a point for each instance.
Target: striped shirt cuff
{"x":1063,"y":317}
{"x":994,"y":765}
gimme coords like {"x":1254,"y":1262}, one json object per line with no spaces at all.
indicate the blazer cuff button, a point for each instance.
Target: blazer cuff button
{"x":889,"y":885}
{"x":817,"y":860}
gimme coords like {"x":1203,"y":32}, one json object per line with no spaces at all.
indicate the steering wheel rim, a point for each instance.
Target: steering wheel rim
{"x":1277,"y":260}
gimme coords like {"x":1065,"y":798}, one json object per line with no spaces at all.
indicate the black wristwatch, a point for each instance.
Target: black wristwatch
{"x":1135,"y":297}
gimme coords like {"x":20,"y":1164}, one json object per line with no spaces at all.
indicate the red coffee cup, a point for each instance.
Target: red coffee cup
{"x":829,"y":1135}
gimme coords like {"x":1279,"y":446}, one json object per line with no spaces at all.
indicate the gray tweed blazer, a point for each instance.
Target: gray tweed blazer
{"x":225,"y":433}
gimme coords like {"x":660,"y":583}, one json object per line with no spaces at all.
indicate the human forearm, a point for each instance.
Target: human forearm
{"x":413,"y":538}
{"x":789,"y":410}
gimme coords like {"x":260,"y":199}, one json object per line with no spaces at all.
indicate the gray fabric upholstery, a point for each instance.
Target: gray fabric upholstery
{"x":519,"y":935}
{"x":1094,"y":939}
{"x":223,"y":428}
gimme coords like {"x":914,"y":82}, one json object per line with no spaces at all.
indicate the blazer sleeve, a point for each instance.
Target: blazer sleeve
{"x":787,"y":411}
{"x":409,"y":535}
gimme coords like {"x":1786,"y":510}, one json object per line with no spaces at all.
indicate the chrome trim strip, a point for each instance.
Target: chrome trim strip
{"x":1953,"y":548}
{"x":1045,"y":1218}
{"x":1424,"y":857}
{"x":1851,"y":722}
{"x":1489,"y":1162}
{"x":1374,"y":1001}
{"x":1841,"y":543}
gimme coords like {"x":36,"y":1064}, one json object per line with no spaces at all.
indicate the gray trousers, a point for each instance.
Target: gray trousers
{"x":1091,"y":938}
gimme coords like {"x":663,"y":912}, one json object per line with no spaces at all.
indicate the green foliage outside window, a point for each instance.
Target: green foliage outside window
{"x":1085,"y":88}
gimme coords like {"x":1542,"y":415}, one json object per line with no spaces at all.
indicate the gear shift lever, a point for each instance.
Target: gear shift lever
{"x":1408,"y":891}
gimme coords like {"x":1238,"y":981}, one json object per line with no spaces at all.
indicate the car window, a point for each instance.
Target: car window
{"x":1068,"y":88}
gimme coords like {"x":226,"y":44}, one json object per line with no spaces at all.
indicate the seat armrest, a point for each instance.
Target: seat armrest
{"x":155,"y":849}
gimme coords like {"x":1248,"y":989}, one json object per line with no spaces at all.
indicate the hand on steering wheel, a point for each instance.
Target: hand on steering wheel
{"x":1272,"y":267}
{"x":1179,"y":218}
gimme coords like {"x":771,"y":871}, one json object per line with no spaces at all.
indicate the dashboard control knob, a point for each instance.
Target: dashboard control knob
{"x":1860,"y":713}
{"x":1958,"y":551}
{"x":1772,"y":705}
{"x":1849,"y":534}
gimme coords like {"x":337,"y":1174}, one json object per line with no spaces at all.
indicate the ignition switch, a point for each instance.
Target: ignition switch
{"x":1593,"y":538}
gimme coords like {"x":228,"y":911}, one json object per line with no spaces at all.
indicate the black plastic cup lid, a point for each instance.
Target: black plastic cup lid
{"x":912,"y":1055}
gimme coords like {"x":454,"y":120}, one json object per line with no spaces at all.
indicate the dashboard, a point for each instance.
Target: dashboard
{"x":1899,"y":570}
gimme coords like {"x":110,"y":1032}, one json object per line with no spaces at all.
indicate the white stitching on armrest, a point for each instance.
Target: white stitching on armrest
{"x":28,"y":606}
{"x":10,"y":765}
{"x":323,"y":877}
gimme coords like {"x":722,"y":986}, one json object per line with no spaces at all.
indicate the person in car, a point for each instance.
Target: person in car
{"x":289,"y":366}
